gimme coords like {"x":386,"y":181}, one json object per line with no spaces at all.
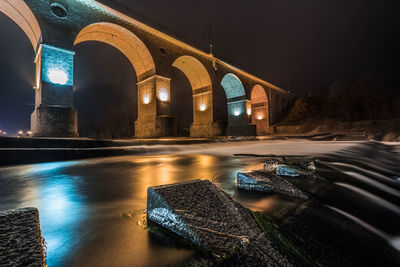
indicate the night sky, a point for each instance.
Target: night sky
{"x":302,"y":46}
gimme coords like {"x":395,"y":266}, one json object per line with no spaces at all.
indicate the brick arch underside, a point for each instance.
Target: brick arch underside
{"x":260,"y":109}
{"x":233,"y":87}
{"x":125,"y":41}
{"x":22,"y":15}
{"x":201,"y":84}
{"x":194,"y":70}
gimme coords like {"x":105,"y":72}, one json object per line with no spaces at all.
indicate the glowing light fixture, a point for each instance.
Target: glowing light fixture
{"x":57,"y":65}
{"x":163,"y":94}
{"x":58,"y":76}
{"x":249,"y":111}
{"x":236,"y":112}
{"x":202,"y":107}
{"x":146,"y":99}
{"x":259,"y":117}
{"x":20,"y":132}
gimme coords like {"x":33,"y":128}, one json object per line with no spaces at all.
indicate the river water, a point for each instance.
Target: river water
{"x":92,"y":212}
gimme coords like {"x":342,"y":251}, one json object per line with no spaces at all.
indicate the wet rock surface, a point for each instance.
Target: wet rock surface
{"x":21,"y":242}
{"x":349,"y":219}
{"x":292,"y":168}
{"x":202,"y":213}
{"x":265,"y":181}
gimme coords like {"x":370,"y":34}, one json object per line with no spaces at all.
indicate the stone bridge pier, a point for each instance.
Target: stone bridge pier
{"x":54,"y":114}
{"x":226,"y":99}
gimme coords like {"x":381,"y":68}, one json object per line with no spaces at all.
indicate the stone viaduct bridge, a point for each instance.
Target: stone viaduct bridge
{"x":226,"y":100}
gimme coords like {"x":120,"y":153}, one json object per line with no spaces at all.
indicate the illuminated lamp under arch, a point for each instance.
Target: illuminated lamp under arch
{"x":260,"y":113}
{"x":201,"y":84}
{"x":235,"y":94}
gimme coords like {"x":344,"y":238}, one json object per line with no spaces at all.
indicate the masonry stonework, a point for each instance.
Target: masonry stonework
{"x":153,"y":55}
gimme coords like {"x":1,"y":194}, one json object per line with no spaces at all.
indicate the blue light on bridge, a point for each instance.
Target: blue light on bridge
{"x":237,"y":108}
{"x":57,"y":76}
{"x":233,"y":86}
{"x":57,"y":65}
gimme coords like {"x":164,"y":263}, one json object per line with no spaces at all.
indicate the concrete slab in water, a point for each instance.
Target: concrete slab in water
{"x":268,"y":182}
{"x":202,"y":213}
{"x":21,"y":242}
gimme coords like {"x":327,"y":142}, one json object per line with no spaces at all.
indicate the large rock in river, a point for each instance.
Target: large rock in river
{"x":21,"y":242}
{"x":265,"y":181}
{"x":202,"y":213}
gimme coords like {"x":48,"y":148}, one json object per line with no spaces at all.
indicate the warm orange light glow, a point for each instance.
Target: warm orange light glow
{"x":260,"y":117}
{"x":249,"y":111}
{"x":163,"y":94}
{"x":203,"y":107}
{"x":146,"y":99}
{"x":125,"y":41}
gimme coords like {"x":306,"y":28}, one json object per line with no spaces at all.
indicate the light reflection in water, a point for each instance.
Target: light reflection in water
{"x":83,"y":205}
{"x":46,"y":168}
{"x":61,"y":212}
{"x":61,"y":208}
{"x":90,"y":210}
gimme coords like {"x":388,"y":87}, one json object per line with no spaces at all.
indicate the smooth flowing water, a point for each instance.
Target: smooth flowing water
{"x":92,"y":212}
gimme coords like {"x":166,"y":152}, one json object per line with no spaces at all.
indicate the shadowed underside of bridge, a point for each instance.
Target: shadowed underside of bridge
{"x":226,"y":100}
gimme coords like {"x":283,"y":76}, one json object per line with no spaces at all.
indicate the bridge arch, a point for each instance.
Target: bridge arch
{"x":260,"y":109}
{"x":233,"y":87}
{"x":22,"y":15}
{"x":238,"y":105}
{"x":125,"y":41}
{"x":201,"y":84}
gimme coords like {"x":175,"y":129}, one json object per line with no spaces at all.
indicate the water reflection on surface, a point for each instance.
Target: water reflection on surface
{"x":92,"y":212}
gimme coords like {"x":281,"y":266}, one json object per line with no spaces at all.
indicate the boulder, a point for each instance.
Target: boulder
{"x":21,"y":241}
{"x":202,"y":213}
{"x":265,"y":181}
